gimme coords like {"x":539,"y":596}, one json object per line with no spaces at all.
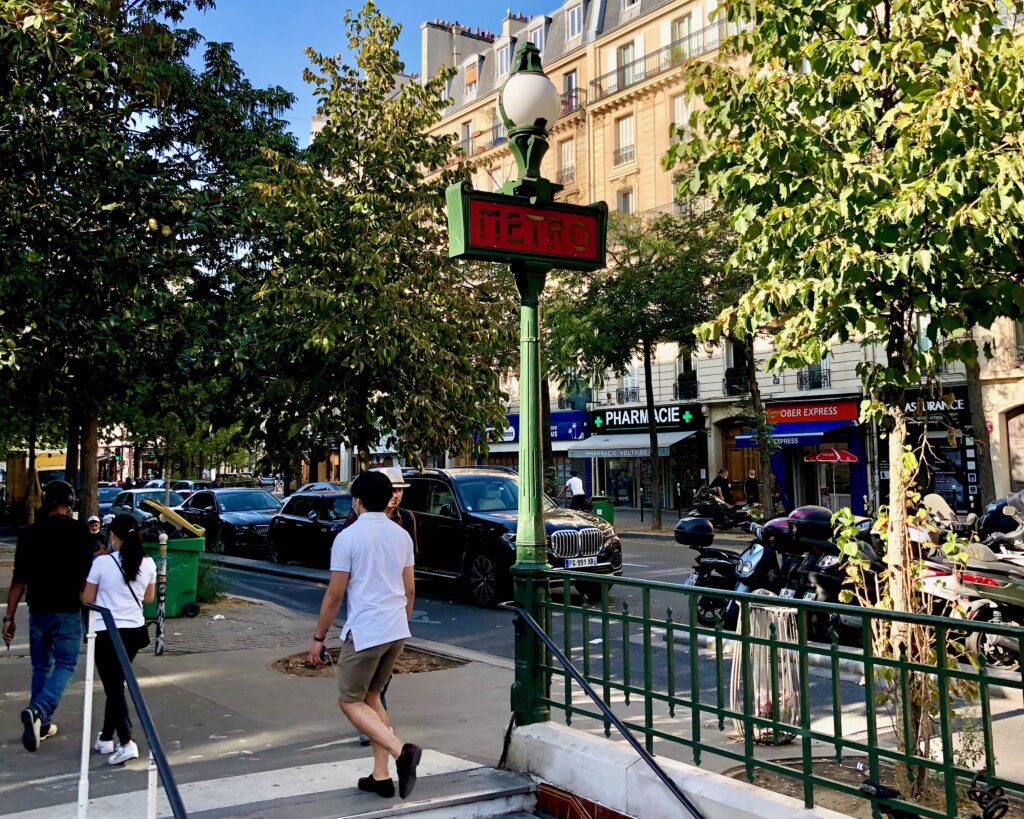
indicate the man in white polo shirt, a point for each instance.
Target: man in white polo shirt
{"x":372,"y":560}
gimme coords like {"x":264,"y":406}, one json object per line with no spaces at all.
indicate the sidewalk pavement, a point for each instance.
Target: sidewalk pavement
{"x":222,"y":711}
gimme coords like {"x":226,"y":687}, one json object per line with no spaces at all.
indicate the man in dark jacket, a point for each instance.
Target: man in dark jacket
{"x":51,"y":562}
{"x":752,"y":488}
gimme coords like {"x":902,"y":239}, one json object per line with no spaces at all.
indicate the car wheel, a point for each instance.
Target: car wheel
{"x":274,"y":554}
{"x":591,"y":589}
{"x":483,"y":581}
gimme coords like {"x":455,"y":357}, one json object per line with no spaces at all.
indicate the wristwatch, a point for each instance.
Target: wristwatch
{"x":315,"y":638}
{"x":8,"y":619}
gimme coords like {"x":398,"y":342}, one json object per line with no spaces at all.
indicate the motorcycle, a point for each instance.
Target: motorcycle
{"x":715,"y":568}
{"x":708,"y":505}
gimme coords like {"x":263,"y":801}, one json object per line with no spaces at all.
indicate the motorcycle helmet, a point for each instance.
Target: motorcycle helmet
{"x":697,"y":533}
{"x":811,"y":522}
{"x":58,"y":493}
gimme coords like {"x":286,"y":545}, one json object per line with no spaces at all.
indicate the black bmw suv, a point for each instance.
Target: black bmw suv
{"x":466,"y":530}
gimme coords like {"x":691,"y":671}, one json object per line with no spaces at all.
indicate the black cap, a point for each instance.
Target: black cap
{"x":373,"y":489}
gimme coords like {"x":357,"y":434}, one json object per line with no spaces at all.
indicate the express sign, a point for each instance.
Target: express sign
{"x":813,"y":411}
{"x":497,"y":227}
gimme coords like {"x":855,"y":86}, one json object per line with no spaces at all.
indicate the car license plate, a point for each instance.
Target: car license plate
{"x":691,"y":579}
{"x":787,"y":593}
{"x":810,"y":595}
{"x":580,"y":562}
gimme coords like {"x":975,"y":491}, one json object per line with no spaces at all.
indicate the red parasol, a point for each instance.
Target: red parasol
{"x":832,"y":456}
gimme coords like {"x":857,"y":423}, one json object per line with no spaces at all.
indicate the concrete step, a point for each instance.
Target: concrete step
{"x":447,"y":788}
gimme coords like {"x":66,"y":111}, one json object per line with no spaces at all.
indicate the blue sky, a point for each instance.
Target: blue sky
{"x":269,"y":35}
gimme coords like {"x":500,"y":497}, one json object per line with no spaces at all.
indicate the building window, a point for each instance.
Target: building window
{"x":570,"y":92}
{"x":624,"y":57}
{"x":504,"y":59}
{"x":680,"y":116}
{"x":814,"y":376}
{"x":629,"y":4}
{"x":625,"y":149}
{"x":574,"y":27}
{"x":466,"y":137}
{"x":680,"y":34}
{"x":498,"y":134}
{"x":624,"y":201}
{"x":471,"y":79}
{"x":566,"y":161}
{"x":537,"y":37}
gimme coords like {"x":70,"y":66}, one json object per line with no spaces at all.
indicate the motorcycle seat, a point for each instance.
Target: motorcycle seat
{"x":719,"y":552}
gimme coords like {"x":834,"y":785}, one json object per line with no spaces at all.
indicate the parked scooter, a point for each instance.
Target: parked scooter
{"x":714,"y":568}
{"x":707,"y":504}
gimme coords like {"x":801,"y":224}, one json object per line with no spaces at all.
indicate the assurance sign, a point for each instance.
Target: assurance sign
{"x":496,"y":227}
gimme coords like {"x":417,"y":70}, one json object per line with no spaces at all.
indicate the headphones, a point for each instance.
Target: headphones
{"x":59,"y":493}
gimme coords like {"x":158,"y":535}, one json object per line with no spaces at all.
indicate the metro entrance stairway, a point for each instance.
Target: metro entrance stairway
{"x":448,"y":788}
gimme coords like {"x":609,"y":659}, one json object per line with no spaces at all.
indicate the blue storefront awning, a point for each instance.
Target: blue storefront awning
{"x":801,"y":433}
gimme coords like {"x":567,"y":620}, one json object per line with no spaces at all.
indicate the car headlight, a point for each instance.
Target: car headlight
{"x":608,"y":533}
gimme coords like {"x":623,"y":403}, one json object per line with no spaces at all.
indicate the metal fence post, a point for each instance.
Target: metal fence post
{"x":161,"y":596}
{"x":83,"y":774}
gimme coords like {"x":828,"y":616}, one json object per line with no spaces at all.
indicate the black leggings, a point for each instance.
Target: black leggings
{"x":115,"y":714}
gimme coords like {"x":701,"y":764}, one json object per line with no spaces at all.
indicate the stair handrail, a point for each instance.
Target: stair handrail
{"x":524,"y":616}
{"x":158,"y":759}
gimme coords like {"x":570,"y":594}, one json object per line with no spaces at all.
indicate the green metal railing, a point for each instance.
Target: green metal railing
{"x":681,"y":681}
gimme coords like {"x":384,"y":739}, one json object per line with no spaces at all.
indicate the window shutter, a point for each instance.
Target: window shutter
{"x":471,"y":71}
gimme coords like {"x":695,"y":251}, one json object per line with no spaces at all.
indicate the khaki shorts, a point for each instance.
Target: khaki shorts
{"x":368,"y":670}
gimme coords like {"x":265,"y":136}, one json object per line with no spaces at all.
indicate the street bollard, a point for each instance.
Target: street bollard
{"x":679,"y":500}
{"x":161,"y":596}
{"x":641,"y":504}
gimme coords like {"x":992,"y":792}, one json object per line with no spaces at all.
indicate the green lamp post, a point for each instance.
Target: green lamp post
{"x":522,"y":225}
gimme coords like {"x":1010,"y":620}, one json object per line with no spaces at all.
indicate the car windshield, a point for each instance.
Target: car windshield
{"x":247,"y":501}
{"x":159,"y":495}
{"x":108,"y":493}
{"x":491,"y":493}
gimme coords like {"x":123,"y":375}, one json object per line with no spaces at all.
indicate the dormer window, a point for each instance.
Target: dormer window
{"x":574,"y":22}
{"x":472,"y":72}
{"x":504,"y":59}
{"x":537,"y":37}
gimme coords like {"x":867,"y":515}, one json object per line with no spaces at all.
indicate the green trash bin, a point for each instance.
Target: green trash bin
{"x":182,"y":576}
{"x":603,"y":507}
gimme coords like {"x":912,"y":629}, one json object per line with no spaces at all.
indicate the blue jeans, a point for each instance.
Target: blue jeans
{"x":54,"y":643}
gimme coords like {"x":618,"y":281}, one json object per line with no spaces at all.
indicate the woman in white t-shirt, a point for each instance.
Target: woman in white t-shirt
{"x":120,"y":581}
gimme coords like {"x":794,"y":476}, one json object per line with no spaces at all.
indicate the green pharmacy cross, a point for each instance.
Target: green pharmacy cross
{"x":599,"y":422}
{"x":687,"y":416}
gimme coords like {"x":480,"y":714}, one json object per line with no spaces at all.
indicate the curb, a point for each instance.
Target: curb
{"x":273,"y":569}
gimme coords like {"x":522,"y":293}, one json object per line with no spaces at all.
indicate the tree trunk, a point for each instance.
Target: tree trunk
{"x":986,"y":478}
{"x":32,"y":498}
{"x":545,"y":437}
{"x":90,"y":473}
{"x":652,"y":431}
{"x":71,"y":461}
{"x":764,"y":448}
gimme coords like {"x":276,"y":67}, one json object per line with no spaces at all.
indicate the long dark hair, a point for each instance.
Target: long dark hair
{"x":125,"y":527}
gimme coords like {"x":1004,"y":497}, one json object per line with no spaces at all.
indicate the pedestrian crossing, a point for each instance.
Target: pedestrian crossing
{"x":247,"y":789}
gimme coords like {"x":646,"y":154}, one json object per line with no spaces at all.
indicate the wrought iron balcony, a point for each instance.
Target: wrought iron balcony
{"x":627,"y":153}
{"x":627,"y":395}
{"x":685,"y":390}
{"x":567,"y":174}
{"x":657,"y":62}
{"x":735,"y":385}
{"x":813,"y":379}
{"x":498,"y":136}
{"x":466,"y":146}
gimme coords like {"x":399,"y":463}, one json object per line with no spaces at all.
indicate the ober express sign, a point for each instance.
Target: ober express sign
{"x":497,"y":227}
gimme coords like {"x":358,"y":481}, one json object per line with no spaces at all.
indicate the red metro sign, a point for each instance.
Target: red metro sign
{"x":496,"y":227}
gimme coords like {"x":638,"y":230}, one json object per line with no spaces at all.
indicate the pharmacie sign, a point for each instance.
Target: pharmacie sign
{"x":667,"y":418}
{"x":500,"y":228}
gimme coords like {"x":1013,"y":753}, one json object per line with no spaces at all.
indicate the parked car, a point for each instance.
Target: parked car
{"x":130,"y":502}
{"x":235,"y":520}
{"x":238,"y":479}
{"x":188,"y":488}
{"x":305,"y":528}
{"x":154,"y":483}
{"x":466,"y":528}
{"x":268,"y":481}
{"x":321,"y":486}
{"x":106,"y":498}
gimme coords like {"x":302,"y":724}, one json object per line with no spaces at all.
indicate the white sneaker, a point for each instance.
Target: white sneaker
{"x":103,"y":746}
{"x":123,"y":753}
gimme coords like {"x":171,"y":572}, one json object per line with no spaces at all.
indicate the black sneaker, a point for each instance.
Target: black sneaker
{"x":32,"y":722}
{"x":381,"y":787}
{"x":406,"y":764}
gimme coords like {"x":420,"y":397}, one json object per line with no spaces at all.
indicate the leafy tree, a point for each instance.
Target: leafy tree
{"x":868,"y":153}
{"x":363,"y":328}
{"x":653,"y":290}
{"x":118,"y":237}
